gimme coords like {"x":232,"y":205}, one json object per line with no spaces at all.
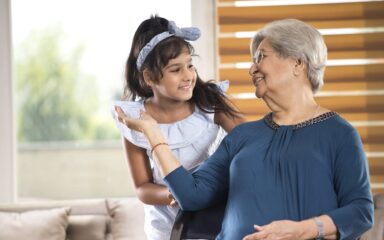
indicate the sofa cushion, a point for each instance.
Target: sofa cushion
{"x":87,"y":227}
{"x":122,"y":217}
{"x":127,"y":215}
{"x":49,"y":224}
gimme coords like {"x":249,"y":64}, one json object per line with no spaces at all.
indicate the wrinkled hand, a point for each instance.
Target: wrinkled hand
{"x":277,"y":230}
{"x":145,"y":122}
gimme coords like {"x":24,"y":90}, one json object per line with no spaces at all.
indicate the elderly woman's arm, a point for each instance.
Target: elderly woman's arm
{"x":150,"y":128}
{"x":208,"y":184}
{"x":352,"y":184}
{"x":286,"y":229}
{"x":192,"y":191}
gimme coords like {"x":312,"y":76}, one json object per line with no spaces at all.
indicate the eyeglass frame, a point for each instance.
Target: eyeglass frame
{"x":259,"y":56}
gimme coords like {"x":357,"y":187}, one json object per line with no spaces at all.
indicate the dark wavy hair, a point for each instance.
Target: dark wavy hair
{"x":206,"y":95}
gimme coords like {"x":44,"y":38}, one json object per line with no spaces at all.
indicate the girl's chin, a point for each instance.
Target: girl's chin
{"x":185,"y":97}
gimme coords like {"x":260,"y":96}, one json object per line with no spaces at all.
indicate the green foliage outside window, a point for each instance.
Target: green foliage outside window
{"x":56,"y":100}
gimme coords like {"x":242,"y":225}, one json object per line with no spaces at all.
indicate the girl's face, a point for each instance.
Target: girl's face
{"x":178,"y":81}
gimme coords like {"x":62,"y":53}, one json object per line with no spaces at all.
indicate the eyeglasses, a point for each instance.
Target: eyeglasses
{"x":259,"y":56}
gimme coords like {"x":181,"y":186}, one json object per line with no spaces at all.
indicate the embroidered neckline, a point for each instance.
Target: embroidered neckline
{"x":272,"y":124}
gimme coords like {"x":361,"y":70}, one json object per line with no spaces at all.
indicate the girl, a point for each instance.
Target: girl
{"x":159,"y":71}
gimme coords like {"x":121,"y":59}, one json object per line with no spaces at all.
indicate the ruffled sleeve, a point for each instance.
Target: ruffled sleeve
{"x":224,"y":85}
{"x":132,"y":110}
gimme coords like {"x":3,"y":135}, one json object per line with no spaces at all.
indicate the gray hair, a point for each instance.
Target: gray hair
{"x":296,"y":39}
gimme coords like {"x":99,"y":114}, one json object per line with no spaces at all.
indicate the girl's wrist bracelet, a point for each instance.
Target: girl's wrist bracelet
{"x":158,"y":144}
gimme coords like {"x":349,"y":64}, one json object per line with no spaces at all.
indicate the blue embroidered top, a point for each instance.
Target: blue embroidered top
{"x":271,"y":172}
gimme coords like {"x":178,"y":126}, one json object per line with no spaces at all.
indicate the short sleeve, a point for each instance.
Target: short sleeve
{"x":223,"y":85}
{"x":132,"y":110}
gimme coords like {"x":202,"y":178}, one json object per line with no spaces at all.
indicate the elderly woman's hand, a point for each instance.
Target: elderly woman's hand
{"x":277,"y":230}
{"x":144,"y":124}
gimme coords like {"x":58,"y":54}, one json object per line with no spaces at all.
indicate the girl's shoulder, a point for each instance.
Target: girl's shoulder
{"x":223,"y":85}
{"x":177,"y":134}
{"x":190,"y":129}
{"x":130,"y":108}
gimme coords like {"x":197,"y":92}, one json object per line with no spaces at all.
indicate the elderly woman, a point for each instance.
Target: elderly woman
{"x":298,"y":173}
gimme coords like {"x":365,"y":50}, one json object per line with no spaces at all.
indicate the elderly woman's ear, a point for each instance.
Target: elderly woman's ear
{"x":299,"y":67}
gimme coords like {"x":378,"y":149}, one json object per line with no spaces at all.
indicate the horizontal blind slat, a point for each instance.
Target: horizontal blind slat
{"x":358,"y":54}
{"x":332,"y":86}
{"x":344,"y":42}
{"x":307,"y":12}
{"x":356,"y":73}
{"x":353,"y":104}
{"x":323,"y":24}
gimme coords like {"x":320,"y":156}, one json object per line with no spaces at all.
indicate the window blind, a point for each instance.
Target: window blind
{"x":354,"y":77}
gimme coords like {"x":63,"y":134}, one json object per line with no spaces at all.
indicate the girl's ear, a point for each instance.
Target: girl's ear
{"x":148,"y":78}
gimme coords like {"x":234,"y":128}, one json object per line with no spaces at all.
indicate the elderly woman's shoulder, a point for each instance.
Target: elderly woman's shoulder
{"x":247,"y":131}
{"x":249,"y":127}
{"x":340,"y":122}
{"x":338,"y":125}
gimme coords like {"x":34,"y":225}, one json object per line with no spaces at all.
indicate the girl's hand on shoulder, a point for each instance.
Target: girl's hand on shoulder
{"x":142,"y":124}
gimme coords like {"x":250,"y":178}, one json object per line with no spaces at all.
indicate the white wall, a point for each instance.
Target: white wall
{"x":72,"y":171}
{"x":203,"y":17}
{"x":7,"y":137}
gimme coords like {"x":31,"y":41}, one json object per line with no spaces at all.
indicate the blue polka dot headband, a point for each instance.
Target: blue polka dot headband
{"x":190,"y":34}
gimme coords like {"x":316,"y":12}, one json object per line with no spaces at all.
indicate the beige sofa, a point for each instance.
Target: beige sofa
{"x":377,"y":231}
{"x":100,"y":219}
{"x":87,"y":219}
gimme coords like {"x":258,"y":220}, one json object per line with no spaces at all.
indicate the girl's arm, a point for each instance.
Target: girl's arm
{"x":146,"y":190}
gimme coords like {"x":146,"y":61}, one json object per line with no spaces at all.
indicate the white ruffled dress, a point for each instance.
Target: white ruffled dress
{"x":191,"y":140}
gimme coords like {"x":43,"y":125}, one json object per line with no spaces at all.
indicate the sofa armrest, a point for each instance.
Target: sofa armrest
{"x":377,"y":231}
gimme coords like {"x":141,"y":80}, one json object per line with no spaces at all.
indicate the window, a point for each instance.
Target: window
{"x":68,"y":59}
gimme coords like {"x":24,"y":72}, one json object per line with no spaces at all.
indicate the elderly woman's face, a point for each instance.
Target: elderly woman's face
{"x":270,"y":72}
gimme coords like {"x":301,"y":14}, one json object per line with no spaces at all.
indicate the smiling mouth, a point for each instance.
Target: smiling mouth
{"x":257,"y":80}
{"x":187,"y":87}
